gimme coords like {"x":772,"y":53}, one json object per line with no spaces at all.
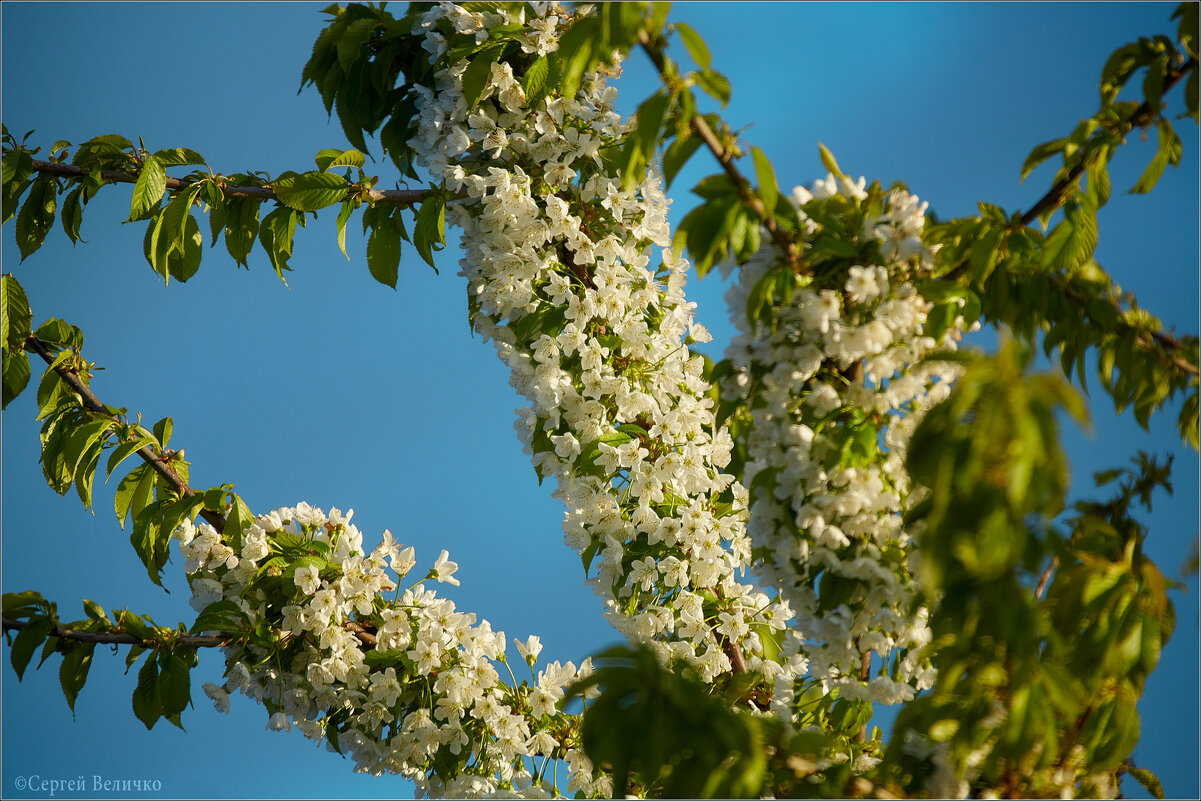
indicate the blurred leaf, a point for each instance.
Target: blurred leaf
{"x":828,"y":160}
{"x":769,"y":192}
{"x":695,"y":45}
{"x":714,"y":84}
{"x":1041,"y":153}
{"x":1169,"y":152}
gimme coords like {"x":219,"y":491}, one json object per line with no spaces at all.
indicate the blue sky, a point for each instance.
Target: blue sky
{"x":344,"y":393}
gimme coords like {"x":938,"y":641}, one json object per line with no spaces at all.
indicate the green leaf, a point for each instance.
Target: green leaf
{"x":175,"y":218}
{"x":177,"y":157}
{"x":1041,"y":153}
{"x":769,"y":191}
{"x":183,"y":263}
{"x":15,"y":314}
{"x":52,"y":392}
{"x":16,"y":375}
{"x":72,"y":214}
{"x":828,"y":160}
{"x":1121,"y":64}
{"x":1080,"y":246}
{"x":984,"y":254}
{"x":17,"y":166}
{"x":1186,"y":30}
{"x":19,"y":604}
{"x":220,"y":616}
{"x":83,"y":438}
{"x":1098,"y":182}
{"x":85,"y":473}
{"x":383,"y":252}
{"x":150,"y":247}
{"x":344,"y":217}
{"x":73,"y":672}
{"x":173,"y":243}
{"x":12,"y":197}
{"x":430,"y":226}
{"x":60,"y":334}
{"x":124,"y":451}
{"x":147,"y":705}
{"x":1059,"y":237}
{"x":26,"y":642}
{"x":535,"y":77}
{"x":350,"y":43}
{"x":132,"y":492}
{"x":620,"y":25}
{"x":241,"y":227}
{"x":36,"y":217}
{"x":475,"y":77}
{"x":54,"y":467}
{"x":162,"y":431}
{"x":695,"y":45}
{"x":149,"y":189}
{"x":576,"y":52}
{"x":275,"y":235}
{"x":237,"y":520}
{"x":330,"y":158}
{"x":650,"y":117}
{"x":326,"y":156}
{"x":1145,"y":777}
{"x":311,"y":191}
{"x":1169,"y":151}
{"x":94,"y":610}
{"x":1153,"y":82}
{"x":714,"y":84}
{"x":174,"y":683}
{"x":715,"y":186}
{"x":705,"y":229}
{"x":145,"y":537}
{"x":677,"y":155}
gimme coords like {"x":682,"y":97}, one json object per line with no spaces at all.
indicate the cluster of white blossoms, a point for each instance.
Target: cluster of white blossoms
{"x":558,"y":260}
{"x":834,"y":388}
{"x":557,"y":257}
{"x":403,"y":684}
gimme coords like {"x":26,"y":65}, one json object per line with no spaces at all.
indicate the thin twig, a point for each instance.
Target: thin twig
{"x":185,"y":641}
{"x":363,"y":634}
{"x":123,"y":638}
{"x":1141,"y":340}
{"x":1046,"y":578}
{"x":1141,"y":116}
{"x":157,"y":463}
{"x":726,"y":159}
{"x":865,"y":674}
{"x":398,"y":196}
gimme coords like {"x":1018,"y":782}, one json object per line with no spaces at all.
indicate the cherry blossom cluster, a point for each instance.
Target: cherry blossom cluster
{"x":834,"y":388}
{"x":402,"y":685}
{"x":561,"y":268}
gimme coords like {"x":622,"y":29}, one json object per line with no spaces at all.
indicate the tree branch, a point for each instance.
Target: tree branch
{"x":157,"y":463}
{"x":726,"y":159}
{"x":122,"y":638}
{"x":188,"y":640}
{"x":1141,"y":116}
{"x":1145,"y":341}
{"x":1056,"y":195}
{"x":1045,"y":578}
{"x":397,"y":196}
